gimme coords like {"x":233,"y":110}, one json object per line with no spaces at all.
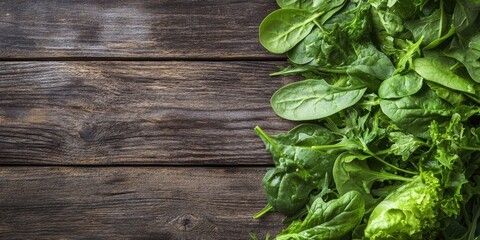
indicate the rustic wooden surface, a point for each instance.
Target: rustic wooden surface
{"x":131,"y":202}
{"x":133,"y":119}
{"x":167,"y":112}
{"x":199,"y":29}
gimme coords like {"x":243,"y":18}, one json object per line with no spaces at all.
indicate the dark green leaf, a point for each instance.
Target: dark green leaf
{"x":414,"y":113}
{"x":437,"y":70}
{"x":282,"y":29}
{"x":400,"y":85}
{"x":328,"y":220}
{"x":313,"y":99}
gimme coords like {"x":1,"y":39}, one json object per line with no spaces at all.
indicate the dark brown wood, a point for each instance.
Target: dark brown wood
{"x":136,"y":112}
{"x":132,"y":28}
{"x":139,"y":203}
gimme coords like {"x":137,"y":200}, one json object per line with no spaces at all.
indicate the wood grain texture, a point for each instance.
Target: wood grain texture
{"x":136,"y":112}
{"x":133,"y":203}
{"x":132,"y":28}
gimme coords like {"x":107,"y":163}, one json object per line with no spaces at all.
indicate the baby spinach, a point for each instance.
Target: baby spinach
{"x":438,"y":71}
{"x":283,"y":29}
{"x":429,"y":28}
{"x":328,"y":220}
{"x":392,"y":99}
{"x":400,"y":85}
{"x":299,"y":169}
{"x":415,"y":113}
{"x":314,"y":99}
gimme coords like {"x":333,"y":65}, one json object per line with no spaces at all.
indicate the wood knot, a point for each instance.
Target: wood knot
{"x":185,"y":222}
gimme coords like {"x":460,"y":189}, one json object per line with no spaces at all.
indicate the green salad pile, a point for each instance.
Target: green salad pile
{"x":388,"y":145}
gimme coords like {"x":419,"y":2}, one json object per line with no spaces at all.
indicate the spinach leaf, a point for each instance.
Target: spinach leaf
{"x":311,"y":5}
{"x":437,"y":70}
{"x":453,"y":97}
{"x":414,"y":113}
{"x":465,"y":14}
{"x":328,"y":220}
{"x":384,"y":19}
{"x":287,"y":191}
{"x":400,"y":85}
{"x":371,"y":64}
{"x":467,"y":54}
{"x":429,"y":28}
{"x":313,"y":99}
{"x":282,"y":29}
{"x":302,"y":52}
{"x":299,"y":169}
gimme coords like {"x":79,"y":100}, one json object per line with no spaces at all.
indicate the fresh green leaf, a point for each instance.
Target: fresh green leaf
{"x":313,"y":99}
{"x":281,"y":30}
{"x":299,"y":169}
{"x":400,"y":85}
{"x":414,"y":113}
{"x":352,"y":173}
{"x":437,"y":70}
{"x":328,"y":220}
{"x":406,"y":212}
{"x":429,"y":28}
{"x":404,"y":145}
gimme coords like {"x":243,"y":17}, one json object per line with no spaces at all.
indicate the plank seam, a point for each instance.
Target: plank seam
{"x":133,"y":59}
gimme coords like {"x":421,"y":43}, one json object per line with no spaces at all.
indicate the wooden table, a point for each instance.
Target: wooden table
{"x":134,"y":119}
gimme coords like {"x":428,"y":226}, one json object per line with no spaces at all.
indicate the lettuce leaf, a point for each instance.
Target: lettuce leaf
{"x":407,"y":211}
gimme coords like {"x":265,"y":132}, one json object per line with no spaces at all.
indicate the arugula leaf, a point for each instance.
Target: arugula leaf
{"x":404,"y":145}
{"x":351,"y":172}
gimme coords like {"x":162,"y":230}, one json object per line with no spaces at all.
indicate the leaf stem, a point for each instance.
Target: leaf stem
{"x":332,"y":70}
{"x":441,"y":20}
{"x":474,"y":224}
{"x":334,"y":146}
{"x":266,"y":209}
{"x":265,"y":137}
{"x":470,"y":148}
{"x":388,"y":164}
{"x":473,"y":98}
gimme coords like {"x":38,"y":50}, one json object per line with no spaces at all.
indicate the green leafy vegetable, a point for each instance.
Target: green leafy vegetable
{"x":283,"y":29}
{"x":415,"y":113}
{"x":314,"y":99}
{"x":438,"y":71}
{"x":299,"y":169}
{"x":392,"y":96}
{"x":328,"y":220}
{"x":407,"y":212}
{"x":400,"y":85}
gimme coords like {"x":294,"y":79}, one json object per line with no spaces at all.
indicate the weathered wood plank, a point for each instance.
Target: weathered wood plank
{"x":136,"y":112}
{"x":132,"y":28}
{"x":139,"y":203}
